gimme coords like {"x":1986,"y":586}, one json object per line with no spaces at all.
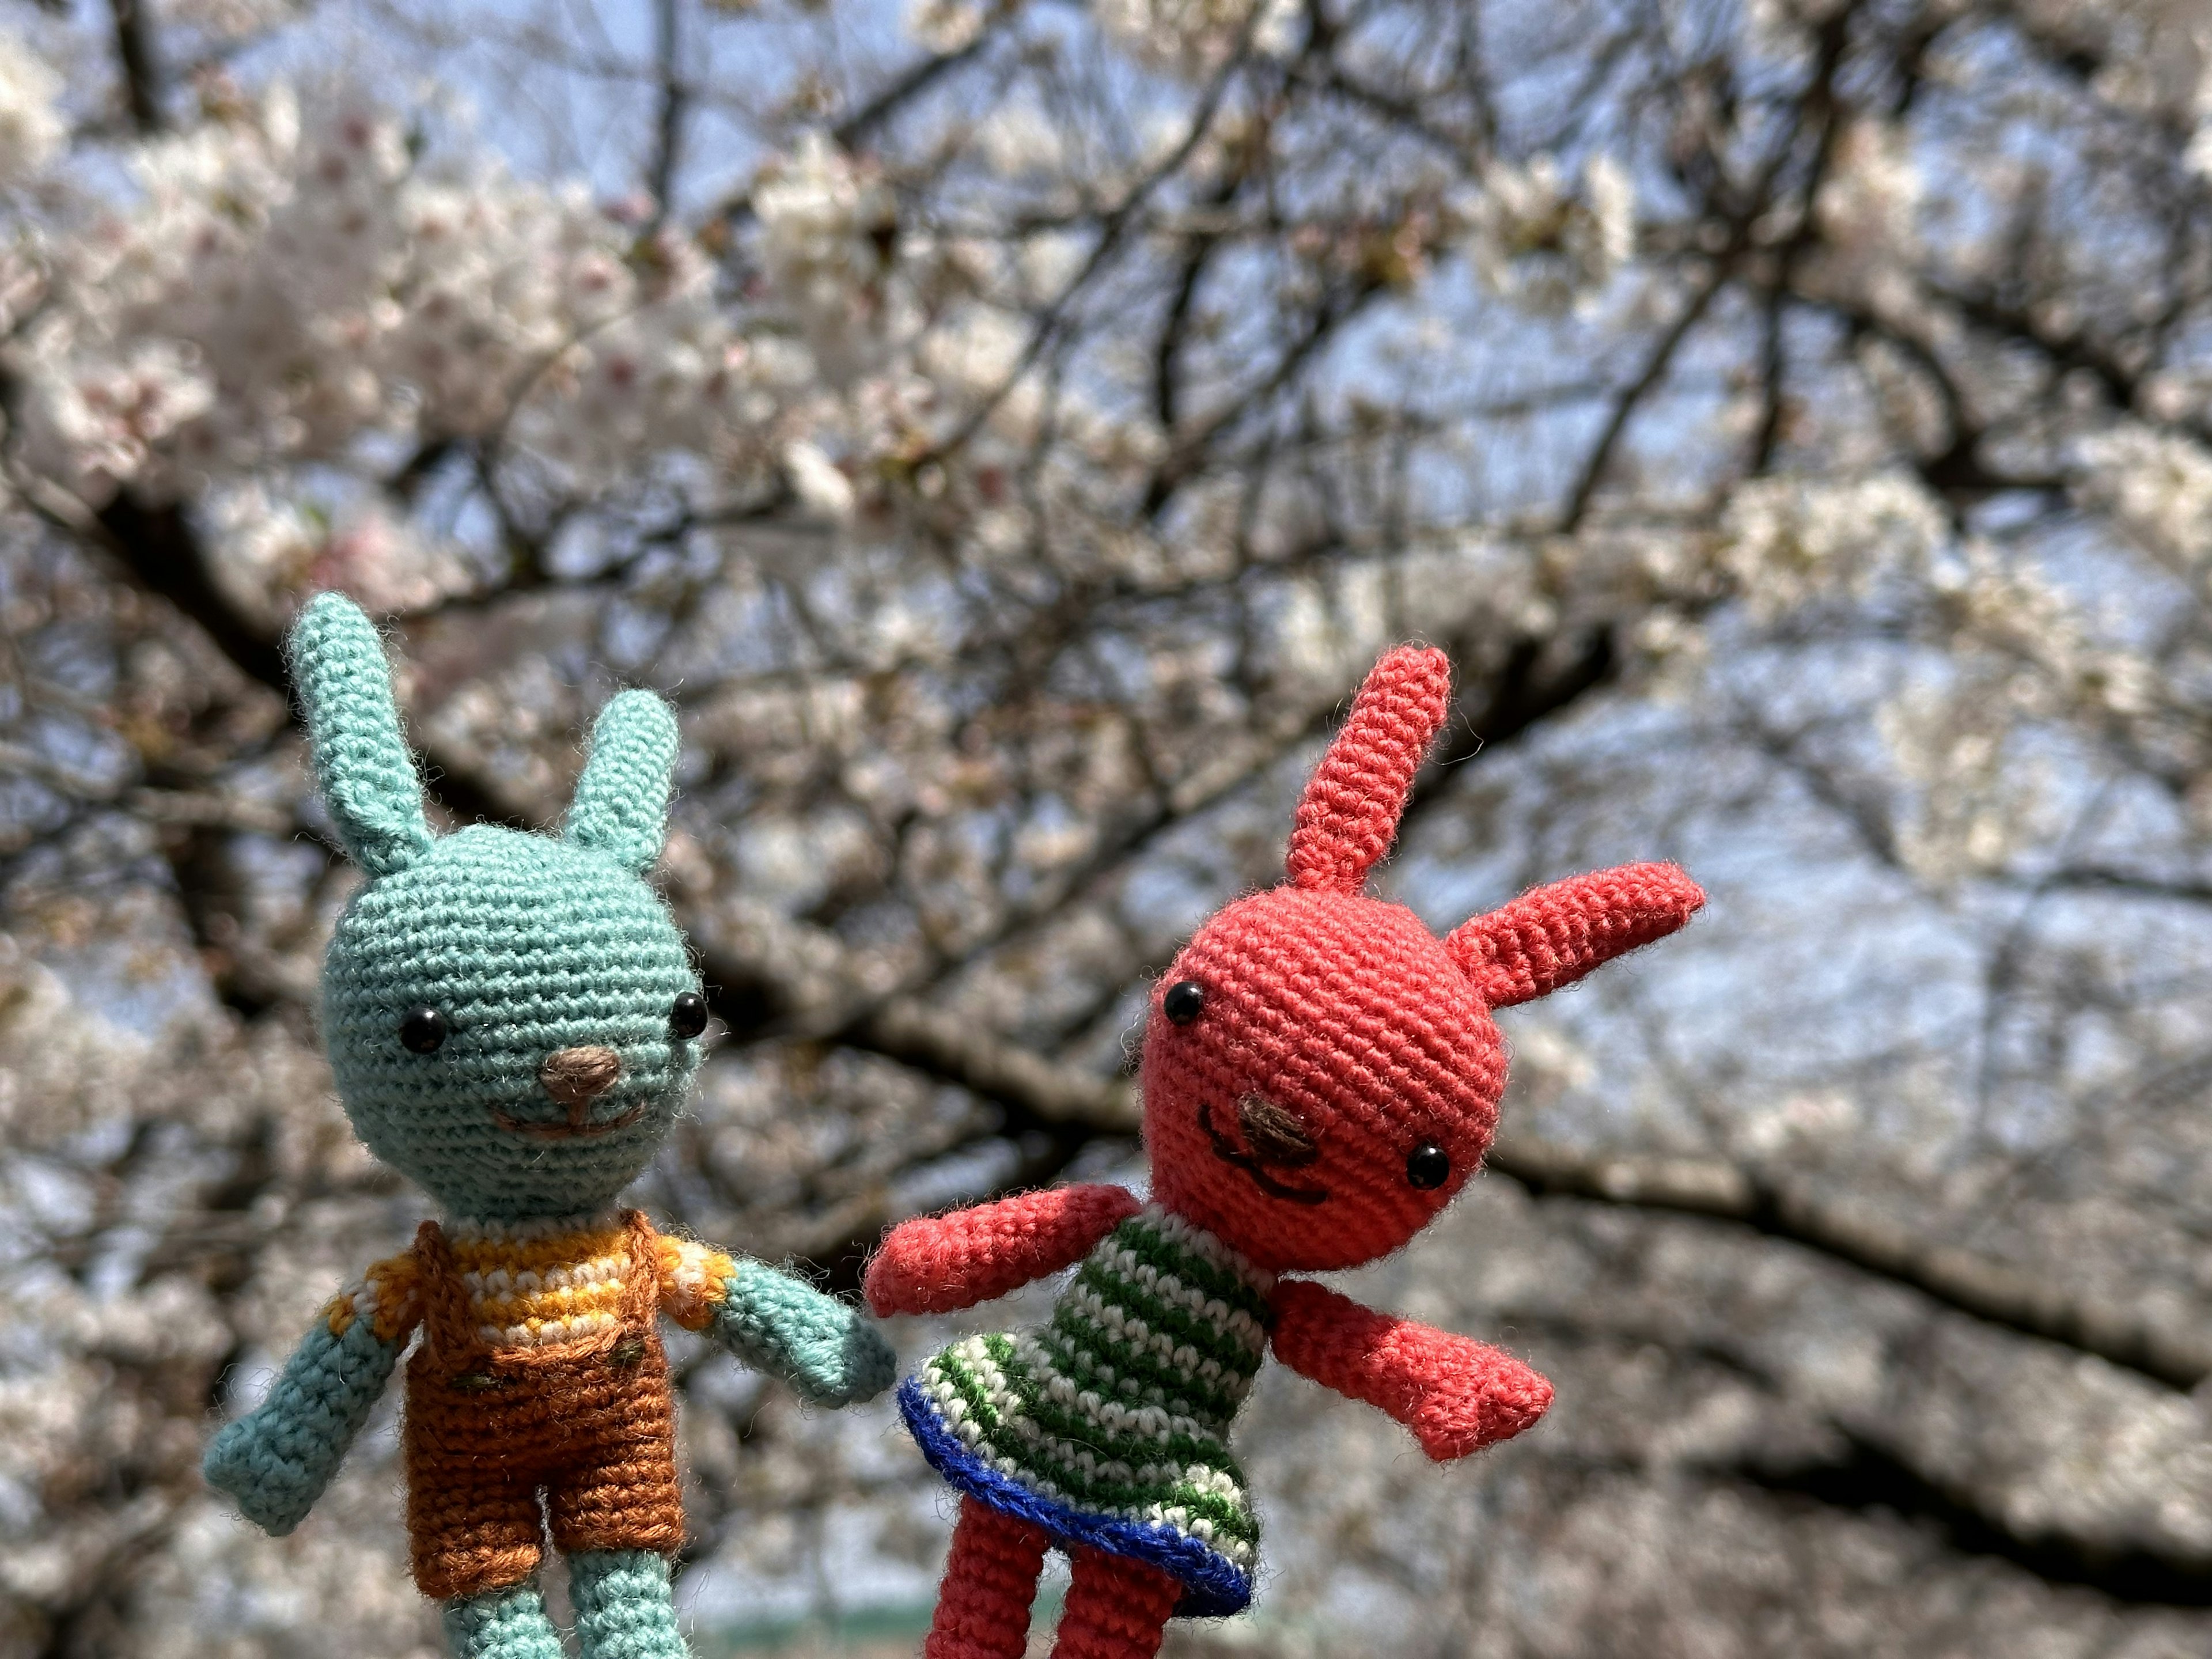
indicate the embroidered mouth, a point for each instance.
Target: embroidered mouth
{"x":1272,"y":1129}
{"x":575,"y":1129}
{"x":574,"y":1078}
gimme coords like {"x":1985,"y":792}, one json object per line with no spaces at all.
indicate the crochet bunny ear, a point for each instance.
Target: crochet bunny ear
{"x":1348,"y":815}
{"x":1552,"y":936}
{"x":363,"y":767}
{"x":621,"y":806}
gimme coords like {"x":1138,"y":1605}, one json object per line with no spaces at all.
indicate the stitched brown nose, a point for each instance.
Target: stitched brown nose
{"x":577,"y":1077}
{"x":1273,"y":1133}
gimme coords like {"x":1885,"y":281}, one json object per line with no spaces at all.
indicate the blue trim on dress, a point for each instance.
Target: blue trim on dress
{"x":1213,"y":1586}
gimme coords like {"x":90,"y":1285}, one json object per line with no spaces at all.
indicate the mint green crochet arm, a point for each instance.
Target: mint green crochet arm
{"x":276,"y":1460}
{"x":828,"y":1350}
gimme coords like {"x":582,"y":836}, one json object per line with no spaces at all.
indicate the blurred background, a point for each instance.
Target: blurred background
{"x":1006,"y":429}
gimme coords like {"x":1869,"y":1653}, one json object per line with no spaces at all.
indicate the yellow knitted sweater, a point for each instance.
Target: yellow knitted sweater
{"x":534,"y":1283}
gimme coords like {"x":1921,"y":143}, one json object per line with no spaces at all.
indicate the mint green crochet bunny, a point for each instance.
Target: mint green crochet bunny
{"x":512,"y":1022}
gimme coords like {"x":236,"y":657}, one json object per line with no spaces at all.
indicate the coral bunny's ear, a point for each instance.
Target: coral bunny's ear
{"x":621,"y":805}
{"x":1348,"y":815}
{"x":1552,"y":936}
{"x":363,"y":767}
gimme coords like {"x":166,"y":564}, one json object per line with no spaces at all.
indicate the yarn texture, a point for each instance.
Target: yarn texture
{"x":277,"y":1461}
{"x":509,"y":1624}
{"x":990,"y":1579}
{"x":502,"y":1015}
{"x":578,"y":1415}
{"x":1321,"y":1076}
{"x":1110,"y":1428}
{"x":980,"y":1254}
{"x":622,"y":1605}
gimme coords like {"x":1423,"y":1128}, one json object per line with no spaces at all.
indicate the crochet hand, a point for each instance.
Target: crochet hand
{"x":1457,"y":1395}
{"x":1477,"y":1398}
{"x":940,"y":1264}
{"x":276,"y":1460}
{"x":247,"y":1459}
{"x":830,"y":1352}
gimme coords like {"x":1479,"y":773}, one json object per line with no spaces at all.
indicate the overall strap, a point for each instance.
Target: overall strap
{"x":447,"y":1317}
{"x":641,"y":1302}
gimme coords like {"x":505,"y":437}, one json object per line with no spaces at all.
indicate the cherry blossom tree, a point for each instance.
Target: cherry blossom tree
{"x":1007,"y":430}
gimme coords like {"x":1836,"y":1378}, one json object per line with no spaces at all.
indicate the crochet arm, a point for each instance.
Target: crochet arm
{"x":829,"y":1351}
{"x":1456,"y":1396}
{"x":276,"y":1460}
{"x":939,"y":1264}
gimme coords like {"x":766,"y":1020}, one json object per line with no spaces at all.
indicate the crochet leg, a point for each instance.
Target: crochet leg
{"x":1116,"y":1608}
{"x":983,"y":1607}
{"x":624,"y":1609}
{"x":502,"y":1624}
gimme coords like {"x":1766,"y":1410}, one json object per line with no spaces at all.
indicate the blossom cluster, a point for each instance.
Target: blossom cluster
{"x":30,"y":125}
{"x":2157,"y":486}
{"x":1538,"y":241}
{"x":299,"y":280}
{"x":286,"y":278}
{"x":1194,"y":36}
{"x":1789,"y":540}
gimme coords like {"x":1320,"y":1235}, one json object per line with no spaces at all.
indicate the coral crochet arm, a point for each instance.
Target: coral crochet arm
{"x":276,"y":1460}
{"x":1456,"y":1396}
{"x":939,"y":1264}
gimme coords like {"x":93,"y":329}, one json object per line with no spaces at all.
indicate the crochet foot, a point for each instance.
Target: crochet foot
{"x":625,"y":1608}
{"x":502,"y":1624}
{"x":984,"y":1609}
{"x":1116,"y":1609}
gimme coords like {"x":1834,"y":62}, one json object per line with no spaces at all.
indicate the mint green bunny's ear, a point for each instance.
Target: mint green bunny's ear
{"x":363,"y":767}
{"x":621,"y":807}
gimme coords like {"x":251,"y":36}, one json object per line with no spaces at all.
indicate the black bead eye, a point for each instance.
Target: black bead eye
{"x":422,"y":1031}
{"x":687,"y":1015}
{"x":1428,"y":1165}
{"x":1184,"y":1001}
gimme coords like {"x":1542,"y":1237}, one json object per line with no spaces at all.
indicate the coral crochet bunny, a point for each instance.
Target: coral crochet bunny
{"x":512,"y":1023}
{"x":1320,"y":1076}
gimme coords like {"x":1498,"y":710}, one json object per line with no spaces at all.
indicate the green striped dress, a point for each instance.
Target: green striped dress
{"x":1109,"y":1427}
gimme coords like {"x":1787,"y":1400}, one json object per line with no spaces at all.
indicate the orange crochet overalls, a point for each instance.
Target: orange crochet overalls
{"x":591,"y":1424}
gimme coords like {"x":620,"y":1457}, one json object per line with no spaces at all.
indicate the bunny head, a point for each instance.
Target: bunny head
{"x":1321,"y":1072}
{"x":511,"y":1018}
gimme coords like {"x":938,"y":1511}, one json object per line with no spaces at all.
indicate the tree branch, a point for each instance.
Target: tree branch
{"x":950,"y":1046}
{"x":1864,"y":1237}
{"x":675,"y":97}
{"x":1190,"y":452}
{"x":141,"y":58}
{"x":1633,"y":395}
{"x":1859,"y":1472}
{"x":1870,"y":1476}
{"x":857,"y":128}
{"x":157,"y":545}
{"x":1112,"y":225}
{"x":2102,"y":879}
{"x":1819,"y":106}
